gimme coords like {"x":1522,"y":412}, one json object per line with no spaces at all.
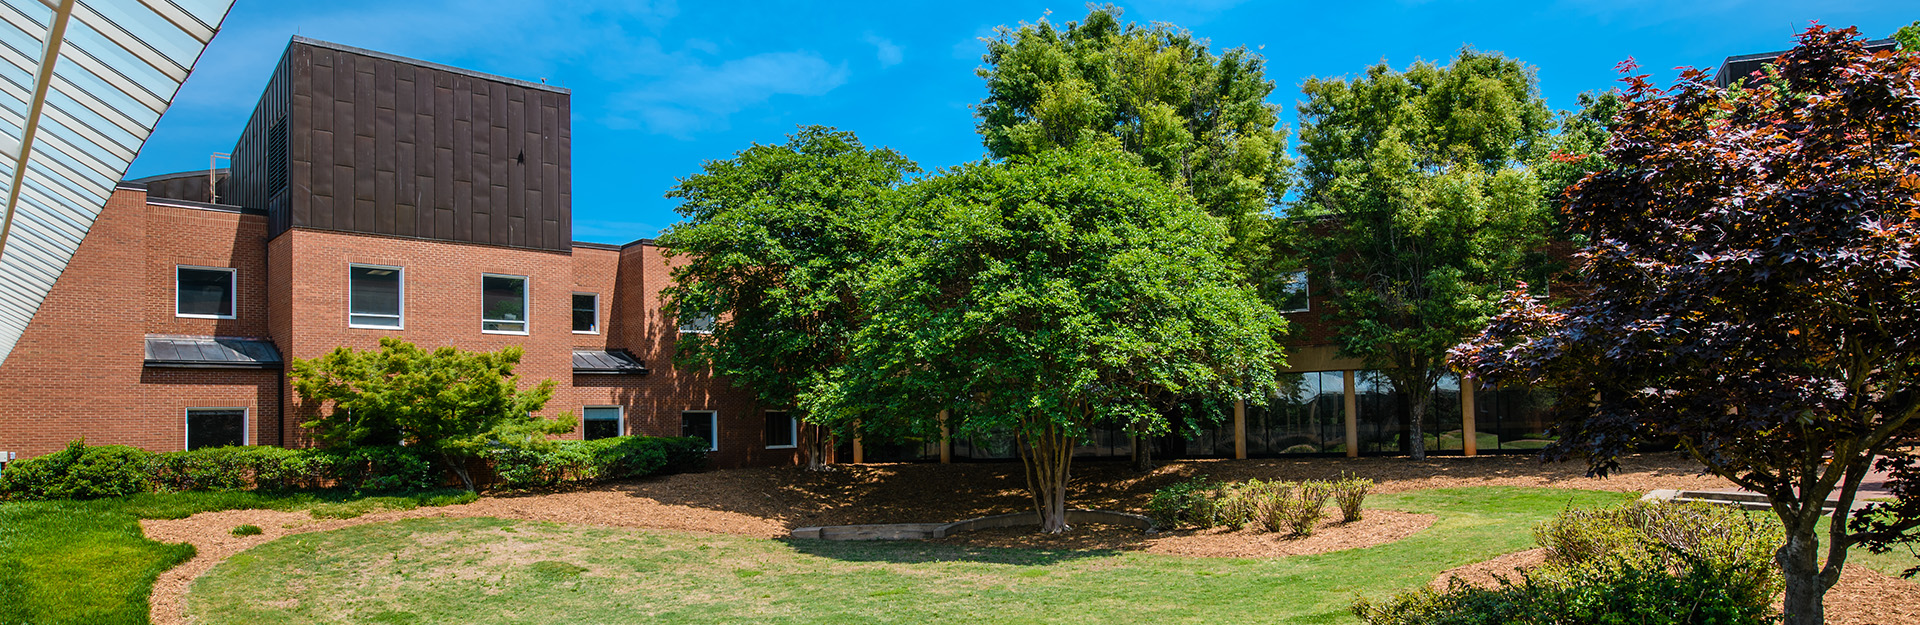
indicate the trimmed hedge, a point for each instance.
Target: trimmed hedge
{"x":86,"y":472}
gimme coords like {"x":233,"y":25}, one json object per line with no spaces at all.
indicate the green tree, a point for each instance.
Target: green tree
{"x":1908,"y":36}
{"x":1198,"y":119}
{"x":1420,"y":207}
{"x":1042,"y":296}
{"x":1748,"y":289}
{"x":448,"y":402}
{"x":775,"y":240}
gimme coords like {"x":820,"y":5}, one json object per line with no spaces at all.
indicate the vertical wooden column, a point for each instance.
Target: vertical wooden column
{"x":1239,"y":429}
{"x":1470,"y":442}
{"x":946,"y":440}
{"x":1353,"y":415}
{"x":859,"y":455}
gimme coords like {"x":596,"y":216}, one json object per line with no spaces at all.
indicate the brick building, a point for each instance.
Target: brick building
{"x":369,"y":196}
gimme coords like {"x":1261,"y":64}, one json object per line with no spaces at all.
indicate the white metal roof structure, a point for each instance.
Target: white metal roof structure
{"x":82,"y":84}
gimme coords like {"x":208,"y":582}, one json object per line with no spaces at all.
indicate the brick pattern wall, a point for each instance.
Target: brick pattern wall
{"x":77,"y":371}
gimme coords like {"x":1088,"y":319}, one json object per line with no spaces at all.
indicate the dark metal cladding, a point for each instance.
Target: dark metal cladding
{"x":1743,"y":66}
{"x":597,"y":361}
{"x":211,"y":352}
{"x":360,"y":141}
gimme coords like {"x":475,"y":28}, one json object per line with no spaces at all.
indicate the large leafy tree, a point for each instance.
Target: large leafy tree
{"x":1198,"y":119}
{"x":774,"y":241}
{"x":1042,"y":296}
{"x":1751,"y":289}
{"x":1420,"y":206}
{"x":448,"y":402}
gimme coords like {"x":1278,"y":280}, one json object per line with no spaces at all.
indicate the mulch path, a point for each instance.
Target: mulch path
{"x":1862,"y":597}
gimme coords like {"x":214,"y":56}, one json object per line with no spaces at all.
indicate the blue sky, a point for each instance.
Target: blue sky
{"x":661,"y":87}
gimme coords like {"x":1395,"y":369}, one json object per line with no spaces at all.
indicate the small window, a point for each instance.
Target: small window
{"x":703,"y":424}
{"x":782,"y":429}
{"x":1293,"y":293}
{"x":586,"y":313}
{"x":216,"y":427}
{"x":696,"y":323}
{"x":599,"y":422}
{"x":203,"y":292}
{"x":503,"y":301}
{"x":375,"y":296}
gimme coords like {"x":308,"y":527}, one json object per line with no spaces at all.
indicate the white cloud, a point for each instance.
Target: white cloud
{"x":697,"y":96}
{"x":885,"y":49}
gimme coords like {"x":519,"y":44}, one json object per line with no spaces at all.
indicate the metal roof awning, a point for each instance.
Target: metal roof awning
{"x":211,"y":352}
{"x":607,"y":362}
{"x":82,"y":84}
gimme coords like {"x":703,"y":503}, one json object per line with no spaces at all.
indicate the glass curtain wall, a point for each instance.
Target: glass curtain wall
{"x":1384,"y":417}
{"x":1513,"y":418}
{"x":1308,"y":417}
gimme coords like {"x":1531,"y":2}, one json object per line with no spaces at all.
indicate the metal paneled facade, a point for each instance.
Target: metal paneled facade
{"x":81,"y":86}
{"x":359,"y":141}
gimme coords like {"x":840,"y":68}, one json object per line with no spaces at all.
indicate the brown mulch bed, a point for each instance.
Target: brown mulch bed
{"x":1378,"y":527}
{"x":1862,"y":597}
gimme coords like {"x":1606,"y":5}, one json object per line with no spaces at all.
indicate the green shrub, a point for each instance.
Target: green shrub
{"x":1186,"y":503}
{"x":1673,"y":536}
{"x":219,"y":468}
{"x":247,"y":530}
{"x":1350,"y":492}
{"x":1612,"y":592}
{"x":78,"y":472}
{"x":615,"y":458}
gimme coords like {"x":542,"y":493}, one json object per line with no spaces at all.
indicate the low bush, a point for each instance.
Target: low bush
{"x":86,"y":472}
{"x":78,"y":472}
{"x":1645,"y":562}
{"x":1618,"y":591}
{"x":1301,"y":512}
{"x":1186,"y":503}
{"x":1350,"y":493}
{"x":247,"y":530}
{"x":1295,"y":508}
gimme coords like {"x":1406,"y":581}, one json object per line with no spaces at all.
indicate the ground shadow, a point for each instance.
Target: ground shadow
{"x":918,"y":552}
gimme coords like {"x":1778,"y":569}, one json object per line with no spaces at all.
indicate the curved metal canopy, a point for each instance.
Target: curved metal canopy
{"x":82,"y":84}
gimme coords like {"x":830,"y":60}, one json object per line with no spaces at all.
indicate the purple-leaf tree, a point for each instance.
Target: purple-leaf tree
{"x":1749,"y":288}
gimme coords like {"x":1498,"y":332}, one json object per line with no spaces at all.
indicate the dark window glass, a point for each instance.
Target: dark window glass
{"x":586,"y":312}
{"x":697,"y":323}
{"x":216,"y":428}
{"x":206,"y":292}
{"x":698,"y":425}
{"x":601,"y":422}
{"x":503,"y":301}
{"x":373,"y":296}
{"x":1293,"y":293}
{"x":779,"y":429}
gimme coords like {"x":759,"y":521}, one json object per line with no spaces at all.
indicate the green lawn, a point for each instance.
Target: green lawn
{"x":475,"y":571}
{"x":87,"y":561}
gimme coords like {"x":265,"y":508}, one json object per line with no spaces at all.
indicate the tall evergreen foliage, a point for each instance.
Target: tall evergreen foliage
{"x":1421,"y":203}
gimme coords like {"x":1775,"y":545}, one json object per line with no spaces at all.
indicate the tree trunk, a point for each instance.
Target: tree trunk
{"x":1416,"y":423}
{"x":1047,"y":453}
{"x":1142,"y":453}
{"x":459,"y":467}
{"x":816,"y":447}
{"x":1799,"y":562}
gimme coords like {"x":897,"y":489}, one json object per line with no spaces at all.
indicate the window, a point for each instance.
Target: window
{"x":702,"y":424}
{"x":599,"y":422}
{"x":503,"y":304}
{"x":376,"y":296}
{"x":216,"y":427}
{"x":782,"y":430}
{"x":203,"y":292}
{"x":1293,"y":293}
{"x":696,"y":323}
{"x":586,"y":313}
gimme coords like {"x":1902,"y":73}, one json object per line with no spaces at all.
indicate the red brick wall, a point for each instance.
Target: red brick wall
{"x":77,"y":371}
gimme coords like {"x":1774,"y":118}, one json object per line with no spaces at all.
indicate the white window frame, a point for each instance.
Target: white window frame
{"x":403,"y":297}
{"x":526,"y":305}
{"x":713,"y":426}
{"x":793,"y":430}
{"x":621,"y":420}
{"x":233,"y":292}
{"x":186,"y":424}
{"x":596,"y":312}
{"x":1307,"y":301}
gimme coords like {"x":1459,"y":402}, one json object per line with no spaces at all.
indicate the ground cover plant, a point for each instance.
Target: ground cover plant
{"x":87,"y":562}
{"x":438,"y":570}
